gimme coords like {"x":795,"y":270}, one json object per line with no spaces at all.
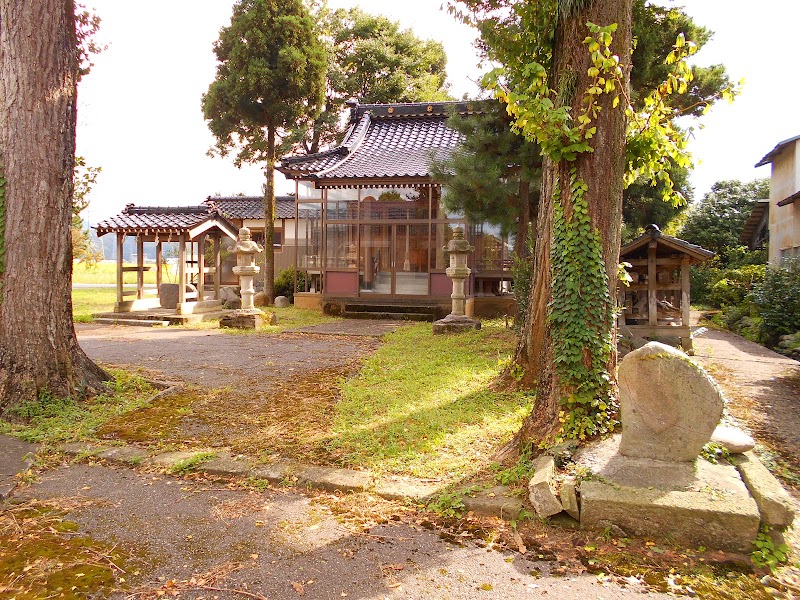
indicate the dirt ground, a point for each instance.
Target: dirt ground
{"x":763,"y":390}
{"x":198,"y":538}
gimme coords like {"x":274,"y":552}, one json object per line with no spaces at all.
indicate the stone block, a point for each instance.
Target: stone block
{"x":732,"y":439}
{"x":225,"y":465}
{"x":669,"y":405}
{"x":453,"y":324}
{"x":774,"y":503}
{"x":282,"y":302}
{"x":168,"y":294}
{"x":494,"y":502}
{"x":542,"y":488}
{"x":403,"y":488}
{"x":569,"y":498}
{"x":168,"y":459}
{"x":233,"y":304}
{"x":242,"y":320}
{"x":276,"y":472}
{"x":334,"y":480}
{"x":126,"y":455}
{"x":688,"y":518}
{"x":259,"y":299}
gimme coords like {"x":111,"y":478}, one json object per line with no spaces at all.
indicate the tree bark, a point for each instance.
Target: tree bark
{"x":269,"y":218}
{"x":603,"y":171}
{"x":38,"y":76}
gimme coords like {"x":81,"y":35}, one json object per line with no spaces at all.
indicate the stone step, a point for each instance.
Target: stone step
{"x":139,"y":322}
{"x":205,"y":306}
{"x":195,"y":317}
{"x":389,"y":316}
{"x":390,"y":308}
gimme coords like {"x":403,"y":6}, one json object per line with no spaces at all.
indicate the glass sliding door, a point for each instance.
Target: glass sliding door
{"x":411,"y":259}
{"x":375,"y":261}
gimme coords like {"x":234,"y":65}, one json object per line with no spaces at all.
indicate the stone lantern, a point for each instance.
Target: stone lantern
{"x":248,"y":317}
{"x":458,"y":271}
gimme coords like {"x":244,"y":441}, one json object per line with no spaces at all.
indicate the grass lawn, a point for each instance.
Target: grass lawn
{"x":87,"y":301}
{"x":106,"y":272}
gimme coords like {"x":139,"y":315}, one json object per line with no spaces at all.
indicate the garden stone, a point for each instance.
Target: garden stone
{"x":569,"y":498}
{"x":260,"y":299}
{"x":669,"y":406}
{"x":168,"y":294}
{"x":732,"y":439}
{"x":774,"y":503}
{"x":229,"y":293}
{"x":282,"y":302}
{"x":542,"y":488}
{"x":234,"y":304}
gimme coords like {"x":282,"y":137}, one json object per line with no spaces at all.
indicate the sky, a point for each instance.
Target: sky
{"x":140,"y":118}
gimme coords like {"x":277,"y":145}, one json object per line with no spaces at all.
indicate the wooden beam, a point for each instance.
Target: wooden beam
{"x":201,"y":267}
{"x":660,"y":262}
{"x":182,"y":270}
{"x":685,"y":293}
{"x":217,"y":267}
{"x":159,"y":265}
{"x":652,"y":306}
{"x":139,"y":267}
{"x":120,"y":246}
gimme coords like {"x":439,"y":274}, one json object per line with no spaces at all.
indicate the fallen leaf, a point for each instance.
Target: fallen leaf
{"x":298,"y":587}
{"x":518,"y":540}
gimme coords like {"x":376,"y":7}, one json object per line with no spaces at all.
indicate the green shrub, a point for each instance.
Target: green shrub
{"x":284,"y":283}
{"x":777,"y":301}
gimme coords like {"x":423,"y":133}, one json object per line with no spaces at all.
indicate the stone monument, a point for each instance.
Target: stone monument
{"x":458,"y":271}
{"x":247,"y":317}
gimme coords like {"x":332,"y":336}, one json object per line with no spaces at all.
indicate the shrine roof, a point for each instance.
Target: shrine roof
{"x":168,"y":220}
{"x":384,"y":142}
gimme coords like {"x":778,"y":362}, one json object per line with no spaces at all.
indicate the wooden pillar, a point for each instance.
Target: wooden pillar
{"x":181,"y":271}
{"x":139,"y":267}
{"x":652,"y":306}
{"x":201,"y":267}
{"x":685,"y":292}
{"x":217,"y":267}
{"x":120,"y":246}
{"x":159,"y":265}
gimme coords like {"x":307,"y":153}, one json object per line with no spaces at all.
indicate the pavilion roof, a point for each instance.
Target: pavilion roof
{"x":385,"y":142}
{"x":696,"y":253}
{"x":251,"y":207}
{"x":167,"y":220}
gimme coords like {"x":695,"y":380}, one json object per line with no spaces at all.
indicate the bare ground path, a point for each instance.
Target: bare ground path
{"x":763,"y":388}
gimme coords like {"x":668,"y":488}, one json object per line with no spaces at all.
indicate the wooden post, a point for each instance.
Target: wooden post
{"x":217,"y":267}
{"x":159,"y":266}
{"x":120,"y":246}
{"x":181,"y":272}
{"x":685,"y":292}
{"x":201,"y":268}
{"x":652,"y":306}
{"x":139,"y":267}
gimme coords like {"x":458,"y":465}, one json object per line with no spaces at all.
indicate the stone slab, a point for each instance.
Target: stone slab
{"x":774,"y":503}
{"x":402,"y":488}
{"x":453,"y":324}
{"x":334,"y":480}
{"x":168,"y":459}
{"x":687,"y":518}
{"x":276,"y":473}
{"x":568,"y":495}
{"x":126,"y":455}
{"x":244,"y":320}
{"x":494,"y":502}
{"x":16,"y":457}
{"x":732,"y":439}
{"x":224,"y":464}
{"x":542,"y":488}
{"x":81,"y":448}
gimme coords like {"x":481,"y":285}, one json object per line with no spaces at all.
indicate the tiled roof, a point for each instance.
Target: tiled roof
{"x":768,"y":158}
{"x":652,"y":232}
{"x":385,"y":141}
{"x":251,"y":207}
{"x":157,"y":219}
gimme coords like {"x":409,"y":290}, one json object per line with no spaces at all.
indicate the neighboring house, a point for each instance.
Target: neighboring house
{"x":376,"y":227}
{"x":784,"y":208}
{"x":755,"y":231}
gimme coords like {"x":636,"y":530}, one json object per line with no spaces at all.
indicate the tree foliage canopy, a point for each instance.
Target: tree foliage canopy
{"x":717,"y":220}
{"x":270,"y":74}
{"x":371,"y":59}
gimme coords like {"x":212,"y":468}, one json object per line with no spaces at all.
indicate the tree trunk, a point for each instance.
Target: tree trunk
{"x":38,"y":75}
{"x":269,"y":219}
{"x":603,"y":171}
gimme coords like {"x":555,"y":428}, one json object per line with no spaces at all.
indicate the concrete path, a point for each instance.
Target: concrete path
{"x":16,"y":457}
{"x":282,"y":544}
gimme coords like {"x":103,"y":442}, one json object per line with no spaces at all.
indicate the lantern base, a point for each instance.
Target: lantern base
{"x":455,"y":324}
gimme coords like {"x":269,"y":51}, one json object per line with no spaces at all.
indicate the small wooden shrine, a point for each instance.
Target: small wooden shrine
{"x":656,"y":302}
